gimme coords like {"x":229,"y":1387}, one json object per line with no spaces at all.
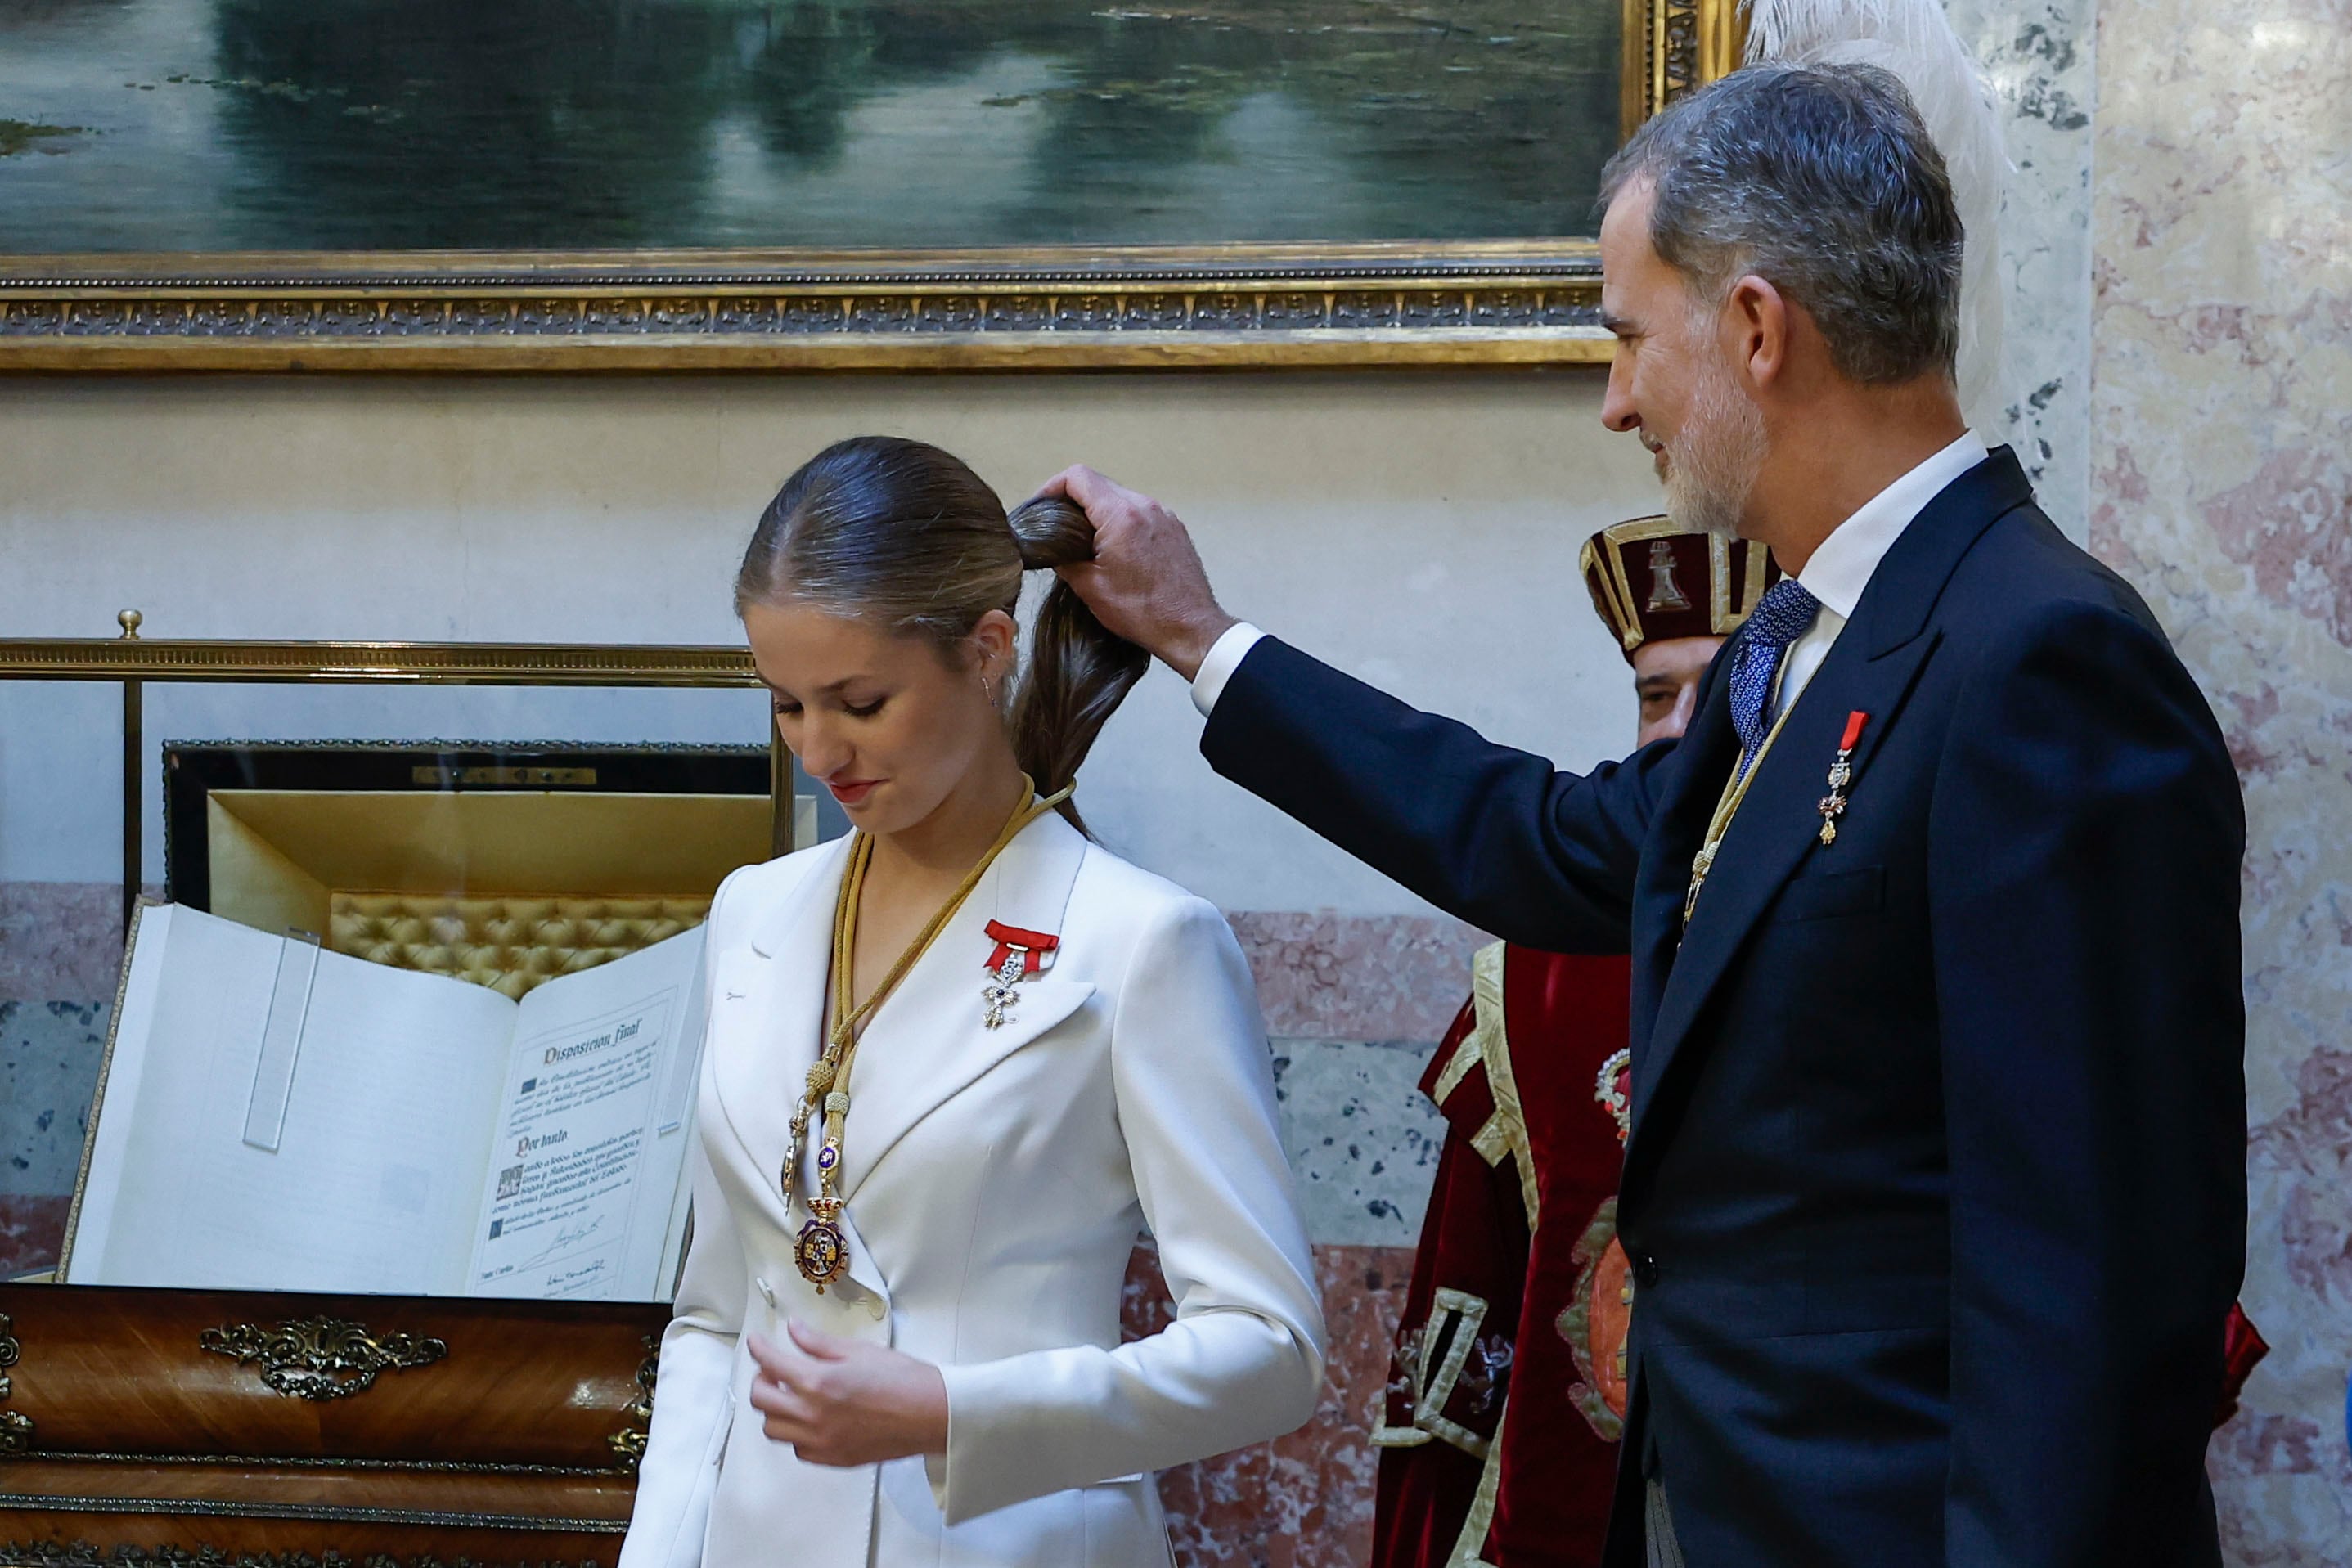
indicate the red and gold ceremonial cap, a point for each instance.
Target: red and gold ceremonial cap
{"x":1652,"y":580}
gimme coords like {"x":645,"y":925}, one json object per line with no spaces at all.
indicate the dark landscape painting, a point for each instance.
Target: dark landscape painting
{"x":365,"y":125}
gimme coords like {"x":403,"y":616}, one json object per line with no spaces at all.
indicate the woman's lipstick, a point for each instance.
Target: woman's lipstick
{"x":852,"y":791}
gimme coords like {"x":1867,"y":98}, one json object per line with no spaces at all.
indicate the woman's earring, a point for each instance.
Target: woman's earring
{"x":989,"y":690}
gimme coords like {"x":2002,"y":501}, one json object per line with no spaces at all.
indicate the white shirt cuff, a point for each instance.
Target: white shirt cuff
{"x":1226,"y":655}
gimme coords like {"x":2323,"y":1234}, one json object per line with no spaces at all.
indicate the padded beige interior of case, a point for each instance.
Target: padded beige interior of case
{"x":510,"y":944}
{"x":507,"y":889}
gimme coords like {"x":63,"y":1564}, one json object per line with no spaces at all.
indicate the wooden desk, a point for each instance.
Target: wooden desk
{"x":266,"y":1428}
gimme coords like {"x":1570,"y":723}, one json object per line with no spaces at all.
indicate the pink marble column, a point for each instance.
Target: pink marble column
{"x":2222,"y":392}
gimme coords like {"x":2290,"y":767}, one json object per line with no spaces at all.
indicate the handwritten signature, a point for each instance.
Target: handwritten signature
{"x":564,"y":1240}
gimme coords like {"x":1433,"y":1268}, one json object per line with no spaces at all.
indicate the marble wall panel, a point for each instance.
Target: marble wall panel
{"x":1363,"y":1141}
{"x":29,"y":1228}
{"x":2040,"y":56}
{"x":1325,"y":976}
{"x":2223,"y":420}
{"x":49,"y":1054}
{"x":60,"y":938}
{"x":1304,"y":1501}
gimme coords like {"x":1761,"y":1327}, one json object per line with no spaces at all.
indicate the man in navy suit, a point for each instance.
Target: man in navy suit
{"x":1934,"y":1193}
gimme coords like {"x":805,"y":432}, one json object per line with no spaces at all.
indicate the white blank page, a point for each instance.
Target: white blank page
{"x":374,"y":1182}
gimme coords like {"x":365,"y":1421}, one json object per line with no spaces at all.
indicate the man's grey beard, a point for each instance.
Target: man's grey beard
{"x":1716,"y":454}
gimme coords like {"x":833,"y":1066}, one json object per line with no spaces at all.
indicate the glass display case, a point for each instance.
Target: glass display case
{"x":376,"y":975}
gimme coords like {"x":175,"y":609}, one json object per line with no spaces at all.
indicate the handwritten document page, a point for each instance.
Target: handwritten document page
{"x":386,"y":1132}
{"x":585,"y":1160}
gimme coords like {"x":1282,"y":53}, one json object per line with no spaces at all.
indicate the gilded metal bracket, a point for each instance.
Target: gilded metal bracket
{"x":321,"y":1358}
{"x":16,"y":1426}
{"x":629,"y":1442}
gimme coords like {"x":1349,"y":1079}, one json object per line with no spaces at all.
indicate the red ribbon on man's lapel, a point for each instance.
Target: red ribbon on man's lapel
{"x":1032,"y":946}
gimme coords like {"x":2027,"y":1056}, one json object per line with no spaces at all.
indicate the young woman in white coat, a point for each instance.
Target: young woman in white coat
{"x":957,"y":1061}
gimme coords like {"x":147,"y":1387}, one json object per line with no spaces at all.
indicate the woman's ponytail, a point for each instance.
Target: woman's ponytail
{"x":1078,"y":671}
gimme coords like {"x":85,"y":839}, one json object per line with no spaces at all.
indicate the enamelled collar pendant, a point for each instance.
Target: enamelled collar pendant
{"x":821,"y":1252}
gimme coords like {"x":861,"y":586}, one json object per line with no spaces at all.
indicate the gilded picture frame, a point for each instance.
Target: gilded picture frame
{"x":1488,"y":302}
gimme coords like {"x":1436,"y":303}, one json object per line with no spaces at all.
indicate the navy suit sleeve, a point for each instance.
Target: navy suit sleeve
{"x":2085,"y":838}
{"x":1500,"y":838}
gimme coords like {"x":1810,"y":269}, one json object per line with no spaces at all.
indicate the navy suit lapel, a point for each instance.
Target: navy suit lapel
{"x":1777,"y":827}
{"x":1704,"y":759}
{"x":1870,"y":668}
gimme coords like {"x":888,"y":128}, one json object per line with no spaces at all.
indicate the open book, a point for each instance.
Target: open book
{"x":276,"y":1117}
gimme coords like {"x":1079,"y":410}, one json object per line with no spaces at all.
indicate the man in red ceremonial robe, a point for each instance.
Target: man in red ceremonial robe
{"x":1499,"y":1434}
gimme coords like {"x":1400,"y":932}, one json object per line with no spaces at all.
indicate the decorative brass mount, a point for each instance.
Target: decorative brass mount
{"x":321,"y":1358}
{"x":15,"y":1428}
{"x":629,"y":1442}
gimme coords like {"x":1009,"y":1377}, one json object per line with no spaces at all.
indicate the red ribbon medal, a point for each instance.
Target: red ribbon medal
{"x":1018,"y":954}
{"x":1833,"y":805}
{"x":1032,"y":946}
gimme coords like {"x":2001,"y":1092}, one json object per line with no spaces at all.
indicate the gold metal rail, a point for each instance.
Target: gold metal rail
{"x":134,"y":658}
{"x":134,"y":661}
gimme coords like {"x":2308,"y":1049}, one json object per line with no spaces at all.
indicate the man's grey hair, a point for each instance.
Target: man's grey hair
{"x":1823,"y":181}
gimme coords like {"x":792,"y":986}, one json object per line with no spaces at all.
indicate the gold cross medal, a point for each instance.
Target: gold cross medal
{"x":1833,"y":805}
{"x":1018,"y":954}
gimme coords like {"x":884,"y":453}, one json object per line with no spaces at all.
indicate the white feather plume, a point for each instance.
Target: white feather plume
{"x":1914,"y":40}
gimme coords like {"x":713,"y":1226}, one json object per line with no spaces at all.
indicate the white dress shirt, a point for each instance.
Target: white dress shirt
{"x":1842,"y":564}
{"x":1226,"y":655}
{"x":1840,"y":569}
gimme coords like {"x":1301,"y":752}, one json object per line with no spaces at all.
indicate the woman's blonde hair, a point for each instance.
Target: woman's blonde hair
{"x":903,"y":534}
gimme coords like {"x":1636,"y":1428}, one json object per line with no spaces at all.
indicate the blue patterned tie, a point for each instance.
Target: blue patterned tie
{"x":1779,"y":619}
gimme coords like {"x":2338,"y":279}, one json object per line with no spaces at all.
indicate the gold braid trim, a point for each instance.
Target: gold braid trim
{"x":1455,"y":1318}
{"x":1456,"y":1068}
{"x":1506,"y":1131}
{"x":1466,"y":1546}
{"x":1388,"y":1437}
{"x":1492,"y":1141}
{"x":1464,"y":1313}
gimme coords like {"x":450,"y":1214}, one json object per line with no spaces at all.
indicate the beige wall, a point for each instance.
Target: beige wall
{"x":1421,"y":529}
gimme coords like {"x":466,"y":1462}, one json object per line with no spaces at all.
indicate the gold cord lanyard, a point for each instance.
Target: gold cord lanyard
{"x":822,"y":1250}
{"x":1734,"y":791}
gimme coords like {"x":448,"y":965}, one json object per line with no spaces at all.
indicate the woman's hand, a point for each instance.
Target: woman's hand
{"x":844,"y":1402}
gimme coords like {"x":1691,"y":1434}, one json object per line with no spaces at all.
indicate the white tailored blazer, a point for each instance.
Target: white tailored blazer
{"x":996,"y":1181}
